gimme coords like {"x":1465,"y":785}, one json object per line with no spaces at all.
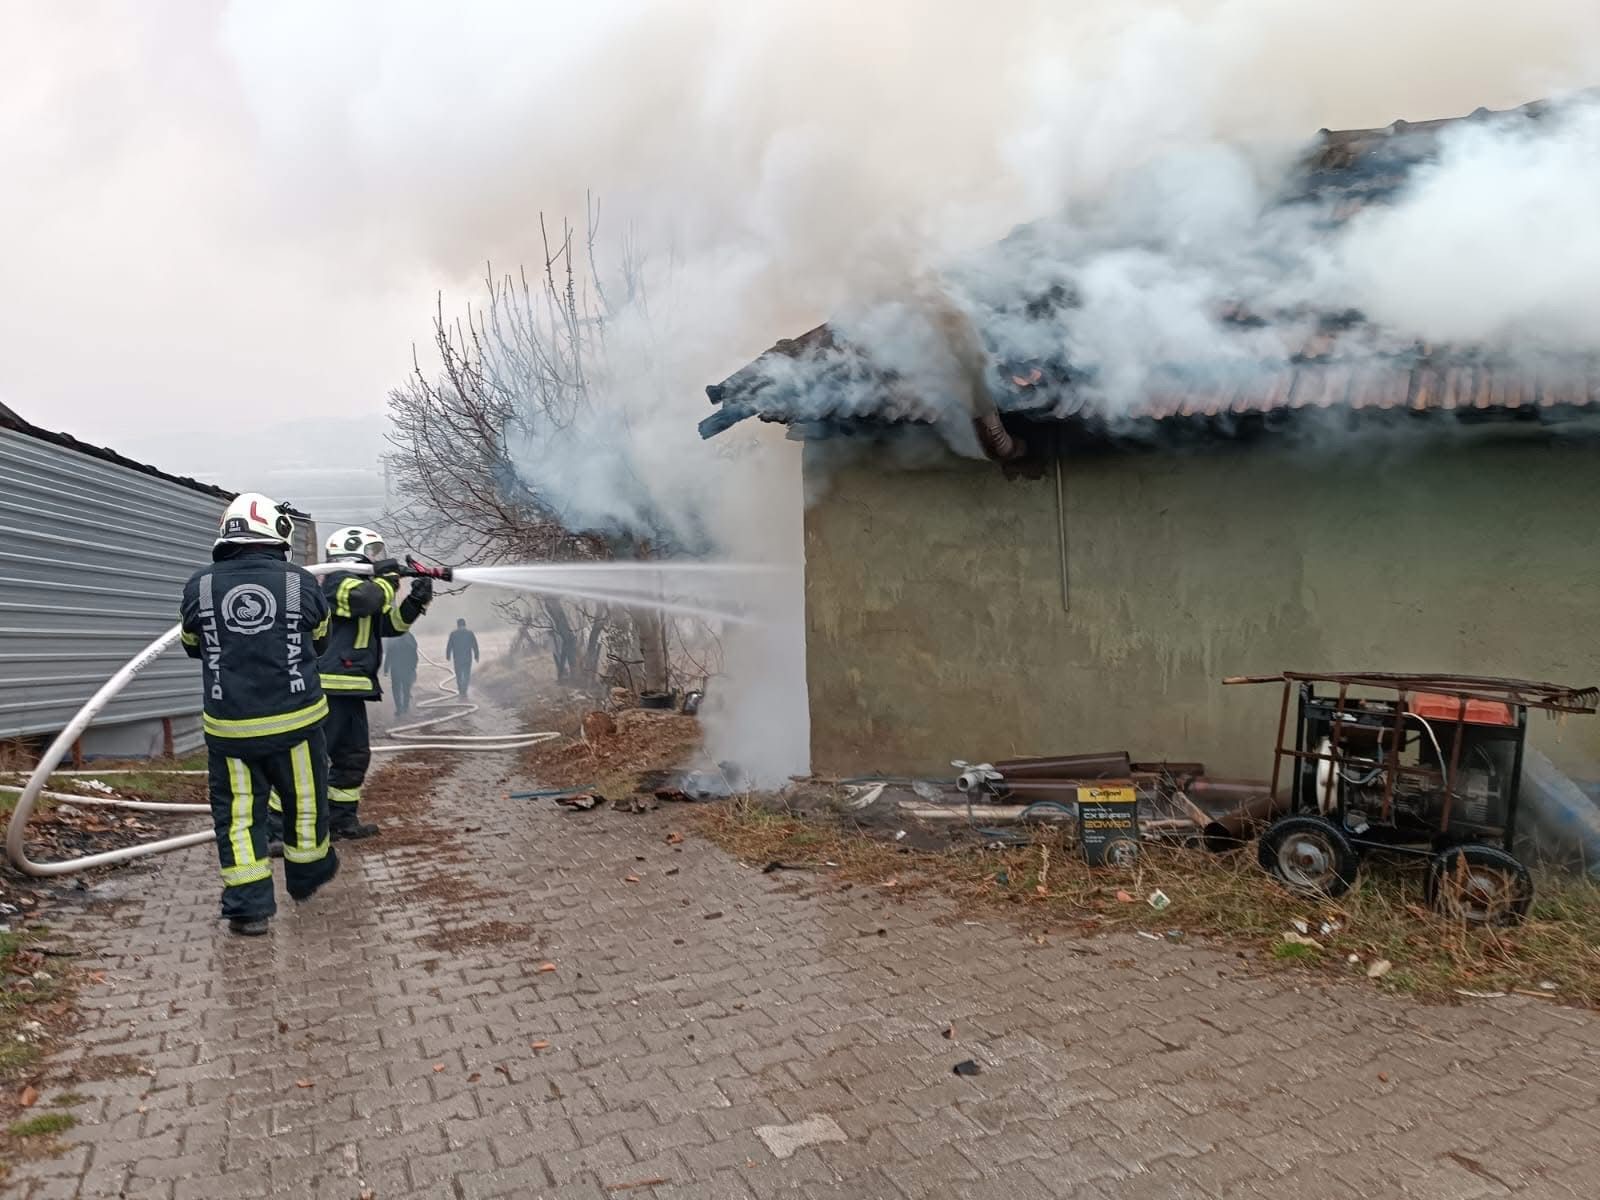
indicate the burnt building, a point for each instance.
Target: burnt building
{"x":1075,"y":581}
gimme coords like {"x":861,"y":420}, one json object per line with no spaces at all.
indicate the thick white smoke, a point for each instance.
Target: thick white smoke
{"x":1498,"y":243}
{"x":782,"y":163}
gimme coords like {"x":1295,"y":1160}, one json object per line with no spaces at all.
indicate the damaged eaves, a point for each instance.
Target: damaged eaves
{"x":823,"y":387}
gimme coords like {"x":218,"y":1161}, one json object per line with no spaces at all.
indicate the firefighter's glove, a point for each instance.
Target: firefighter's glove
{"x":386,"y":568}
{"x":421,"y":590}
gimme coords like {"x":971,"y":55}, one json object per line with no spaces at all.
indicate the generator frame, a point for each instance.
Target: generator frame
{"x":1478,"y":856}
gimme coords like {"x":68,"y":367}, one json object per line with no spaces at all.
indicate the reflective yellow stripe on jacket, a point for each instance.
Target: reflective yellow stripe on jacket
{"x":341,"y":596}
{"x":250,"y":727}
{"x":346,"y":683}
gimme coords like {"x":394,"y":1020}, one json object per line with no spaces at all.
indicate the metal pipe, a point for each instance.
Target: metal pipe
{"x":1061,"y":526}
{"x":1113,"y":765}
{"x":995,"y":440}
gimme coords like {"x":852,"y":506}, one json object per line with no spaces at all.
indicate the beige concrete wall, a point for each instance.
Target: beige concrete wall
{"x":936,"y":630}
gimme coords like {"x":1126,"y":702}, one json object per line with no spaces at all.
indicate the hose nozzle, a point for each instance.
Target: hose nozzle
{"x":423,"y":570}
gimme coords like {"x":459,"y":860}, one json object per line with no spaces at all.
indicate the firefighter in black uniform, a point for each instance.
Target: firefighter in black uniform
{"x":255,"y":621}
{"x":365,"y":611}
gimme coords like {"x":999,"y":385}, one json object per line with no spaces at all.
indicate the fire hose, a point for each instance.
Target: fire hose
{"x":34,"y":789}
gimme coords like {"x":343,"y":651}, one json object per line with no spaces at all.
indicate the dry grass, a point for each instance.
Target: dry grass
{"x":1554,"y":955}
{"x":646,"y":740}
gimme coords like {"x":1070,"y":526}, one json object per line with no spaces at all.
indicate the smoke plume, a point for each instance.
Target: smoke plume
{"x":778,"y":164}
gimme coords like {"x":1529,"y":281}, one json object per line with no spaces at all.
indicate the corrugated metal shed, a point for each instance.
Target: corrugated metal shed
{"x":94,"y":551}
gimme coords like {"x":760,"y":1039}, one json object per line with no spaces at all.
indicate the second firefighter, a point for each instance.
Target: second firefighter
{"x":366,"y":608}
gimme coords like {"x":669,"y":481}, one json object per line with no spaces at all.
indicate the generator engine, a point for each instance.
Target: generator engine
{"x":1348,"y":775}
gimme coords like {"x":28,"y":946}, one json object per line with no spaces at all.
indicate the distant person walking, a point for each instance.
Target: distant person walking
{"x":462,"y":650}
{"x":400,"y":665}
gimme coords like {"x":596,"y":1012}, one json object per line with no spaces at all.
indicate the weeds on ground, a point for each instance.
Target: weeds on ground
{"x":35,"y":1008}
{"x":1553,"y":955}
{"x":44,"y":1125}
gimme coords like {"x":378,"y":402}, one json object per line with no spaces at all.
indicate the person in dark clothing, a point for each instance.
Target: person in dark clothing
{"x":366,"y":609}
{"x":255,"y":622}
{"x":462,"y":650}
{"x":400,"y":665}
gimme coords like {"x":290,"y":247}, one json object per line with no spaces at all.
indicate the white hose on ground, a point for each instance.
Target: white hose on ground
{"x":34,"y":789}
{"x":411,"y":740}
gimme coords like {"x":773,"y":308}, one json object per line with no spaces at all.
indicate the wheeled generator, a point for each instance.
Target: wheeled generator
{"x":1419,"y":764}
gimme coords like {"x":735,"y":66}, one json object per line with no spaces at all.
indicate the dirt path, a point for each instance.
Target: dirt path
{"x":399,"y":1037}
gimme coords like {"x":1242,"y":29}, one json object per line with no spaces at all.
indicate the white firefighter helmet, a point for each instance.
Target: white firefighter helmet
{"x":355,"y":542}
{"x":255,"y":520}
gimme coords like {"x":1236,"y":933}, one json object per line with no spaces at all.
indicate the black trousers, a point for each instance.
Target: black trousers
{"x":239,"y":784}
{"x":400,"y":685}
{"x":349,"y":755}
{"x":463,"y":676}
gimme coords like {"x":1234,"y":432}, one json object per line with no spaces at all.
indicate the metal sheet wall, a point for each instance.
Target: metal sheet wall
{"x":93,"y":557}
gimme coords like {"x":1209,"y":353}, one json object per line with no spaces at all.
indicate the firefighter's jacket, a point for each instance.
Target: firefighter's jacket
{"x":256,"y":623}
{"x":364,"y":613}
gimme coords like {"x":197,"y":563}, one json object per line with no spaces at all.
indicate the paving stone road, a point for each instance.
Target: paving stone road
{"x":696,"y":1013}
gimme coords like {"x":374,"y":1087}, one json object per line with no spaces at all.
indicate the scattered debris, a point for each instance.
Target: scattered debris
{"x":1153,"y":937}
{"x":1174,"y":935}
{"x":303,"y":1083}
{"x":1354,"y":960}
{"x":1471,"y":995}
{"x":580,"y":801}
{"x":1125,"y":897}
{"x":1158,"y":900}
{"x":1383,"y":1077}
{"x":1549,"y":985}
{"x":653,"y":1181}
{"x":967,"y":1066}
{"x":29,"y":1096}
{"x":437,"y":1067}
{"x":1379,"y":969}
{"x":863,"y":797}
{"x":1299,"y":939}
{"x":674,"y":838}
{"x":539,"y":1045}
{"x":474,"y":1077}
{"x":673,"y":870}
{"x":1300,"y":926}
{"x":544,"y":968}
{"x":630,"y":879}
{"x":949,"y":1033}
{"x":712,"y":916}
{"x":784,"y":1140}
{"x":679,"y":786}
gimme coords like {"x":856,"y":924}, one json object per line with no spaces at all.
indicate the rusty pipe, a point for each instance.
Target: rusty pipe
{"x":1113,"y":765}
{"x":995,"y":440}
{"x":1236,"y":808}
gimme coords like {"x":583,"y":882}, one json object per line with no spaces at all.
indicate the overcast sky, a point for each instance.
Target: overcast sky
{"x":221,"y":217}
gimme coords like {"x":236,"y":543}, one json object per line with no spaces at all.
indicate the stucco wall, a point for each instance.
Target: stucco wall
{"x":936,"y":630}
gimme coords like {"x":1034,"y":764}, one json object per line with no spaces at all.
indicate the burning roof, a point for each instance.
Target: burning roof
{"x":1282,"y":353}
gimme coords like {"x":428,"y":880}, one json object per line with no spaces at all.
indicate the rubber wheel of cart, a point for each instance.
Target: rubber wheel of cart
{"x":1309,"y":855}
{"x":1479,"y":885}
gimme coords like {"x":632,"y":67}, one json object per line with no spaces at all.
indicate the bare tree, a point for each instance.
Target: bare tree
{"x":515,"y":380}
